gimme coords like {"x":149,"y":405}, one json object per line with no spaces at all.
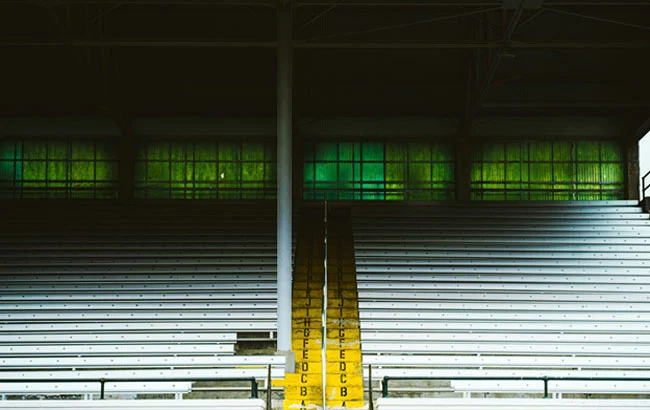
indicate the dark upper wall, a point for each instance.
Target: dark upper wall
{"x":203,"y":58}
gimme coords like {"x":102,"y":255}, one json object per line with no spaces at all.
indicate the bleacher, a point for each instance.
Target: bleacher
{"x":151,"y":292}
{"x":556,"y":290}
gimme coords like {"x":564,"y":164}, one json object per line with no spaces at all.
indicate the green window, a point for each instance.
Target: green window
{"x":205,"y":169}
{"x":58,"y":168}
{"x":378,"y":171}
{"x":548,"y":170}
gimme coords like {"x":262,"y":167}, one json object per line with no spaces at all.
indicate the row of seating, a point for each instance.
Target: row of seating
{"x":148,"y":291}
{"x":507,"y":290}
{"x":508,"y":404}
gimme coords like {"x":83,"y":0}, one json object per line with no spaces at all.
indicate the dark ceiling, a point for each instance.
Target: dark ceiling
{"x":352,"y":58}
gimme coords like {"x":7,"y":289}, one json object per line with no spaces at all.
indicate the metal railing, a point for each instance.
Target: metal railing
{"x":386,"y":379}
{"x":645,"y":182}
{"x":103,"y":381}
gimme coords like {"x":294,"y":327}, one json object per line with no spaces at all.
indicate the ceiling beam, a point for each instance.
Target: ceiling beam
{"x":209,"y":43}
{"x":479,"y":97}
{"x":643,"y":130}
{"x":356,"y":3}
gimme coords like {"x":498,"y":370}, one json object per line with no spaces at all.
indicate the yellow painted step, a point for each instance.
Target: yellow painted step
{"x":296,"y":392}
{"x":306,"y":344}
{"x":315,"y":367}
{"x":309,"y":322}
{"x":342,"y":323}
{"x":342,"y":393}
{"x":342,"y":302}
{"x":348,"y":404}
{"x":343,"y":366}
{"x":306,"y":333}
{"x":303,"y":379}
{"x":308,"y":302}
{"x":302,"y":404}
{"x":308,"y":355}
{"x":344,"y":379}
{"x":343,"y":355}
{"x":344,"y":313}
{"x":339,"y":333}
{"x":345,"y":344}
{"x":309,"y":312}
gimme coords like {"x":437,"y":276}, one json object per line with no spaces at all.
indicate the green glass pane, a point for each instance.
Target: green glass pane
{"x":83,"y":150}
{"x":34,"y":150}
{"x":7,"y":171}
{"x":562,"y":172}
{"x":372,"y":152}
{"x":562,"y":151}
{"x":57,"y":171}
{"x":253,"y":152}
{"x":541,"y":172}
{"x":34,"y":171}
{"x":588,"y":151}
{"x":178,"y":151}
{"x":326,"y":172}
{"x":372,"y":172}
{"x":106,"y":150}
{"x":346,"y":151}
{"x":395,"y":152}
{"x":396,"y":172}
{"x":541,"y":151}
{"x":228,"y":172}
{"x":308,"y":172}
{"x":346,"y":174}
{"x":253,"y":172}
{"x":158,"y":171}
{"x":513,"y":152}
{"x":205,"y":151}
{"x":611,"y":151}
{"x":7,"y":150}
{"x":419,"y":172}
{"x":178,"y":172}
{"x":588,"y":173}
{"x":493,"y":152}
{"x":57,"y":150}
{"x":205,"y":171}
{"x":308,"y":148}
{"x":442,"y":152}
{"x":513,"y":172}
{"x":229,"y":152}
{"x":419,"y":151}
{"x":612,"y":173}
{"x":325,"y":151}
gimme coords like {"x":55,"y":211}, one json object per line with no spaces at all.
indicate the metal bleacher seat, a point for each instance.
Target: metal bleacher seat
{"x":507,"y":290}
{"x":153,"y":291}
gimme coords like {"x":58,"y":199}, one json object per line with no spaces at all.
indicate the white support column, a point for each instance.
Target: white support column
{"x":284,"y":130}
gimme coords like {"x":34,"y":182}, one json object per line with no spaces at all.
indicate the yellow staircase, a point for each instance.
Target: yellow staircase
{"x":344,"y":376}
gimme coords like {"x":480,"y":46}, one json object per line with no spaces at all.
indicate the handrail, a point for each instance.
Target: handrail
{"x":545,"y":379}
{"x":103,"y":381}
{"x":646,"y":187}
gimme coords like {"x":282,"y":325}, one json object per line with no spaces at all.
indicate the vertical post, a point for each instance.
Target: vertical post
{"x":545,"y":387}
{"x":284,"y":130}
{"x":462,"y":168}
{"x":126,"y":164}
{"x":102,"y":389}
{"x":269,"y":384}
{"x":631,"y":165}
{"x":384,"y":387}
{"x":371,"y":405}
{"x":253,"y":388}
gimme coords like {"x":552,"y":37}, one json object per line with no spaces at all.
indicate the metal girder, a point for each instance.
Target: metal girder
{"x":442,"y":45}
{"x":357,"y":3}
{"x":643,"y":129}
{"x":505,"y":43}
